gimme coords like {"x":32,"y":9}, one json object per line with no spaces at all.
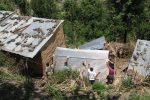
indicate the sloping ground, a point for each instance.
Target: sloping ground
{"x":62,"y":86}
{"x":68,"y":89}
{"x":9,"y":90}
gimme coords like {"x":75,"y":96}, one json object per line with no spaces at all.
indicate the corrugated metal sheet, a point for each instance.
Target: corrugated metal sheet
{"x":96,"y":44}
{"x":140,"y":61}
{"x":26,"y":35}
{"x":96,"y":58}
{"x":5,"y":14}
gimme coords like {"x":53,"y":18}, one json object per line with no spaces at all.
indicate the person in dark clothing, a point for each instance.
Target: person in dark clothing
{"x":66,"y":66}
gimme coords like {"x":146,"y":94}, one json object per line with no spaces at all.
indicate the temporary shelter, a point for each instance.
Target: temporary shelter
{"x":96,"y":58}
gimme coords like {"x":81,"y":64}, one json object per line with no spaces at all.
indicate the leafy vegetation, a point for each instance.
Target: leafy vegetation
{"x":49,"y":8}
{"x":6,"y":5}
{"x":24,"y":6}
{"x":6,"y":60}
{"x":118,"y":20}
{"x":98,"y":86}
{"x":7,"y":76}
{"x":55,"y":93}
{"x":128,"y":83}
{"x":136,"y":96}
{"x":61,"y":76}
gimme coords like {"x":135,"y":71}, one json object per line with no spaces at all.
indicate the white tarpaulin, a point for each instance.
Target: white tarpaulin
{"x":140,"y":61}
{"x":96,"y":58}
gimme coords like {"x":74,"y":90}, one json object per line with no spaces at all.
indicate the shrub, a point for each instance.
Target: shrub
{"x":9,"y":76}
{"x":61,"y":76}
{"x":74,"y":74}
{"x":55,"y":93}
{"x":100,"y":89}
{"x":86,"y":80}
{"x":128,"y":83}
{"x":5,"y":60}
{"x":58,"y":77}
{"x":136,"y":96}
{"x":98,"y":86}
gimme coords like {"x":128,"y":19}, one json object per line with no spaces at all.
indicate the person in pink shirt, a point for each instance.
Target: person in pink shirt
{"x":110,"y":77}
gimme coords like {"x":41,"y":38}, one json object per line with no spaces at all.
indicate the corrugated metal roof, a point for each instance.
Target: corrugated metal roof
{"x":26,"y":35}
{"x":5,"y":14}
{"x":96,"y":44}
{"x":140,"y":61}
{"x":96,"y":58}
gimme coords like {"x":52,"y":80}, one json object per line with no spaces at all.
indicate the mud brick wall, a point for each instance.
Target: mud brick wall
{"x":57,"y":40}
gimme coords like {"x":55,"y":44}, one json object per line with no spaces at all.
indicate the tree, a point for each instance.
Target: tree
{"x":86,"y":18}
{"x":7,"y":5}
{"x":44,"y":8}
{"x":24,"y":6}
{"x":127,"y":13}
{"x":144,"y":25}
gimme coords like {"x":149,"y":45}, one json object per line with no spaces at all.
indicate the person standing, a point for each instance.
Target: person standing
{"x":91,"y":74}
{"x":66,"y":65}
{"x":110,"y":65}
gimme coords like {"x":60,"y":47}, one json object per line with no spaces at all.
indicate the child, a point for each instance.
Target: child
{"x":91,"y":74}
{"x":66,"y":66}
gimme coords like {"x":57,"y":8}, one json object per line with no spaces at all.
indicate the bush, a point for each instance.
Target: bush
{"x":55,"y":93}
{"x":8,"y":76}
{"x":74,"y":74}
{"x":136,"y":96}
{"x":7,"y":5}
{"x":128,"y":83}
{"x":100,"y":89}
{"x":5,"y":60}
{"x":58,"y":77}
{"x":61,"y":76}
{"x":98,"y":86}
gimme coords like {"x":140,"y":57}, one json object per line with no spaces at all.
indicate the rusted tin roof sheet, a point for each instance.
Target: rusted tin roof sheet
{"x":5,"y":14}
{"x":25,"y":35}
{"x":140,"y":61}
{"x":96,"y":44}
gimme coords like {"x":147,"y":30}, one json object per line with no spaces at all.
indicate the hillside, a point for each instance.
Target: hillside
{"x":121,"y":22}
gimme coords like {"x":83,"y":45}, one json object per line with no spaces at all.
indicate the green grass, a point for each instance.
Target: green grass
{"x":136,"y":96}
{"x":98,"y":86}
{"x":5,"y":60}
{"x":8,"y":76}
{"x":55,"y":93}
{"x":128,"y":84}
{"x":61,"y":76}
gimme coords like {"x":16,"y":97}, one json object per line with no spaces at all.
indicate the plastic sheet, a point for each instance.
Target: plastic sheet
{"x":96,"y":58}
